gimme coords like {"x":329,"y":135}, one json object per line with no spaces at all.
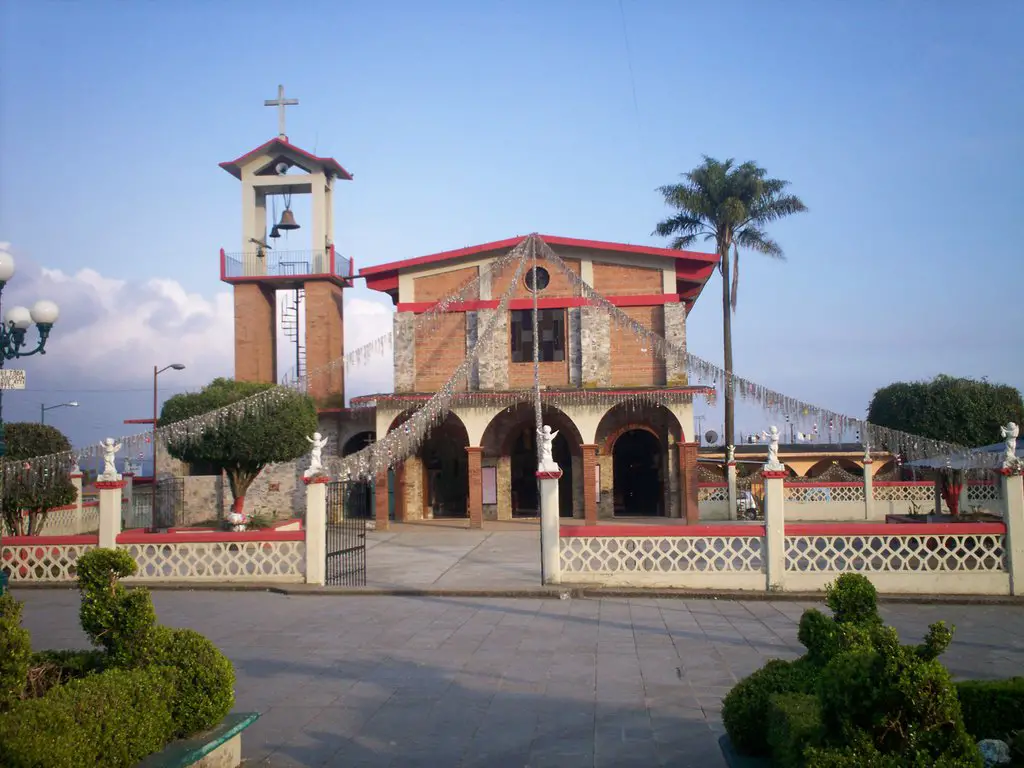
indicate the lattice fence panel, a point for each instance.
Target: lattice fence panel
{"x":986,"y":492}
{"x":715,"y":493}
{"x":43,"y":562}
{"x":908,"y":492}
{"x":816,"y":493}
{"x":660,"y":554}
{"x":200,"y":561}
{"x":860,"y":553}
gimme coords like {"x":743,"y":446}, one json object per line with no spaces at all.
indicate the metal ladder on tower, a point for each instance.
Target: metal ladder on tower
{"x":290,"y":324}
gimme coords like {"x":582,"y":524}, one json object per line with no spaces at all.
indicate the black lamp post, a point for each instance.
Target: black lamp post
{"x":16,"y":321}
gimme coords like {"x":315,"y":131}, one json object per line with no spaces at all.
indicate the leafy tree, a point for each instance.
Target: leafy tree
{"x":242,"y":447}
{"x":26,"y":440}
{"x":730,"y":204}
{"x":963,"y":411}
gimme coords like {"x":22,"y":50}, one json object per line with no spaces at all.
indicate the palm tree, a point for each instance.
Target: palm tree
{"x":730,"y":204}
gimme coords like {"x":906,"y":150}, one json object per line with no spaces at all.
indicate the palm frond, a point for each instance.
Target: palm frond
{"x":757,"y":239}
{"x":774,"y":207}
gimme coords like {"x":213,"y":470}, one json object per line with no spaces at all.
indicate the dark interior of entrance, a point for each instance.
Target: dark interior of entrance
{"x":524,"y":474}
{"x":636,"y":469}
{"x":445,"y":469}
{"x":359,"y":496}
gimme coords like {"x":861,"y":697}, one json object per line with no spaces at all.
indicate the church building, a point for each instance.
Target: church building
{"x":623,"y":416}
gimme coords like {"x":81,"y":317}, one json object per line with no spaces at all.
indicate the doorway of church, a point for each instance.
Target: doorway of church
{"x":445,"y":465}
{"x":524,"y":474}
{"x":636,"y":471}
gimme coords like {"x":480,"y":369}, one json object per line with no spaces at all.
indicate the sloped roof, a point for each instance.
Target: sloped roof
{"x":234,"y":167}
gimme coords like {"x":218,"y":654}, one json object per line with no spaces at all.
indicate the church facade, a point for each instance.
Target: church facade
{"x":624,"y":418}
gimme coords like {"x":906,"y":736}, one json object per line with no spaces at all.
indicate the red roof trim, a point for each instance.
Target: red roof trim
{"x":571,"y":242}
{"x":234,"y":167}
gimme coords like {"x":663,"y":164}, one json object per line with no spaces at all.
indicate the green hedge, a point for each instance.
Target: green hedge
{"x":15,"y":652}
{"x":794,"y":723}
{"x":745,"y":707}
{"x":113,"y":719}
{"x":204,"y":681}
{"x":992,"y":708}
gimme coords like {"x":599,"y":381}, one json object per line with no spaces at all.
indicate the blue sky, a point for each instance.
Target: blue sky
{"x":900,"y":124}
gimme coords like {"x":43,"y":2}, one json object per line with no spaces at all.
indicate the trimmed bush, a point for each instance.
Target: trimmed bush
{"x":992,"y":708}
{"x":794,"y":723}
{"x":853,"y":600}
{"x":51,"y":668}
{"x":204,"y":681}
{"x":745,"y":707}
{"x":15,"y":652}
{"x":112,"y":719}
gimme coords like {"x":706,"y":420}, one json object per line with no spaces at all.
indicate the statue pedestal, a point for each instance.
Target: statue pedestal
{"x":551,"y":567}
{"x":110,"y":511}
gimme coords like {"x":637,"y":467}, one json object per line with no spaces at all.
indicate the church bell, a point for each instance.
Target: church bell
{"x":287,"y":220}
{"x":275,"y":233}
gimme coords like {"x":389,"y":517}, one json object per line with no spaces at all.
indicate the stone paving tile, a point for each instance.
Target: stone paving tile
{"x":387,"y":681}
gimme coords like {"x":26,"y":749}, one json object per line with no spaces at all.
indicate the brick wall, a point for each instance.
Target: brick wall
{"x":325,"y":341}
{"x":559,"y":285}
{"x":255,"y":333}
{"x":624,"y":280}
{"x":630,"y":364}
{"x":434,"y":287}
{"x":520,"y":375}
{"x":440,"y":349}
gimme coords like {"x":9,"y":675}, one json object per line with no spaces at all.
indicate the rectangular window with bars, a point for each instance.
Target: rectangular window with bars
{"x":552,"y":335}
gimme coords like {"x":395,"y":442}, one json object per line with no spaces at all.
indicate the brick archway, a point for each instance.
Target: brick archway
{"x":609,"y":442}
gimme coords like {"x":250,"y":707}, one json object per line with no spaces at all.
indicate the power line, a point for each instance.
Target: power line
{"x":113,"y":389}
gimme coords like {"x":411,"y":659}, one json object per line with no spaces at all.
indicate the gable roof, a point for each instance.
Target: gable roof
{"x":234,"y":167}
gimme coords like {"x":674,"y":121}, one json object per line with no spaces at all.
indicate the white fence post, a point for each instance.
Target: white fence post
{"x":869,"y":489}
{"x":1013,"y":497}
{"x":316,"y":529}
{"x":110,"y":511}
{"x":730,"y":476}
{"x":76,"y":481}
{"x":549,"y":523}
{"x":774,"y":528}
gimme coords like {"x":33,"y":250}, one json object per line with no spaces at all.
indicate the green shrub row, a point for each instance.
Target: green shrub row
{"x":144,"y":686}
{"x":858,"y":698}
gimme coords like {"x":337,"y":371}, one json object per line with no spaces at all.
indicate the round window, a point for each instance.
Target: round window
{"x":537,"y":279}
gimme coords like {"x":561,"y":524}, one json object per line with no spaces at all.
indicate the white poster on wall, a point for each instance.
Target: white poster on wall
{"x":489,"y":480}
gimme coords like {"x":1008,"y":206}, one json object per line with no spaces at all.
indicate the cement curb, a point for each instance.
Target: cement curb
{"x":568,"y":591}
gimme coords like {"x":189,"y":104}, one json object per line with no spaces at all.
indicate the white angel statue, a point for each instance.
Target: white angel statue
{"x":110,"y":449}
{"x":316,"y":466}
{"x":545,"y":438}
{"x":773,"y":451}
{"x":1009,"y":433}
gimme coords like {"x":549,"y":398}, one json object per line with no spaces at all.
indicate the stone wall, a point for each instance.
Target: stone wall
{"x":404,"y":343}
{"x":675,"y":334}
{"x":494,"y":352}
{"x":595,"y":347}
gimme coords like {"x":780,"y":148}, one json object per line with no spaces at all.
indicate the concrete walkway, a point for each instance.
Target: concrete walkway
{"x":450,"y":556}
{"x":461,"y":682}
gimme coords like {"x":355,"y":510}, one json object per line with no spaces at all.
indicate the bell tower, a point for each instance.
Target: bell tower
{"x":310,"y":279}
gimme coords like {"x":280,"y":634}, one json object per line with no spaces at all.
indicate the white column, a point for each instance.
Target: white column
{"x":730,"y":474}
{"x":774,"y":529}
{"x":76,"y":481}
{"x":869,"y":490}
{"x":316,"y":529}
{"x":110,"y":511}
{"x":549,"y":524}
{"x":1013,"y":497}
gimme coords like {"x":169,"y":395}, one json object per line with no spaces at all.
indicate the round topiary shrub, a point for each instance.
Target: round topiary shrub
{"x":745,"y":707}
{"x":204,"y":681}
{"x":853,"y":600}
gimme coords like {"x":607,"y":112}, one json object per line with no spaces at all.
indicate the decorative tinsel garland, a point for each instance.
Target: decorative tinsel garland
{"x":896,"y":442}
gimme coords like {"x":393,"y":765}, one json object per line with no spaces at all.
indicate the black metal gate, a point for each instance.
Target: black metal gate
{"x":346,"y":534}
{"x":169,"y":502}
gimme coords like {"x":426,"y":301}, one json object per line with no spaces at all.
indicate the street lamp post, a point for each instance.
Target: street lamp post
{"x":43,"y":408}
{"x":16,"y":322}
{"x":157,"y":372}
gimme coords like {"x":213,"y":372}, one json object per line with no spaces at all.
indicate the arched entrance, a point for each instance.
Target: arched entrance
{"x":636,"y":467}
{"x":510,"y":446}
{"x":360,"y":497}
{"x":446,"y":469}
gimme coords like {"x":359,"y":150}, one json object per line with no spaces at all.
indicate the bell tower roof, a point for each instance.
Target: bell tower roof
{"x":281,"y":148}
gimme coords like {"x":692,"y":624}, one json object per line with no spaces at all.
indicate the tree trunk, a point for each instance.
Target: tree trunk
{"x":730,"y":405}
{"x":239,"y":481}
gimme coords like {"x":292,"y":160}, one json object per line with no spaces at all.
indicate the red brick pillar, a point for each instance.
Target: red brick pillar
{"x":688,"y":482}
{"x":589,"y":484}
{"x":476,"y":497}
{"x":380,"y":511}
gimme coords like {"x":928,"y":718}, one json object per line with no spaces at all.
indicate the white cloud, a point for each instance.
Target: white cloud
{"x":111,"y":331}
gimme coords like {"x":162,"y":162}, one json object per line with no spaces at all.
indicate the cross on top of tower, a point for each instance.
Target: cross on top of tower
{"x":281,"y":102}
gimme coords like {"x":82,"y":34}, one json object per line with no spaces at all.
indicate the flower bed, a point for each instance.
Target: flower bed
{"x":144,"y":686}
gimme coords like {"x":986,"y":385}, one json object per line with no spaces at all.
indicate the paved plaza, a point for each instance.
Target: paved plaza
{"x":430,"y":681}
